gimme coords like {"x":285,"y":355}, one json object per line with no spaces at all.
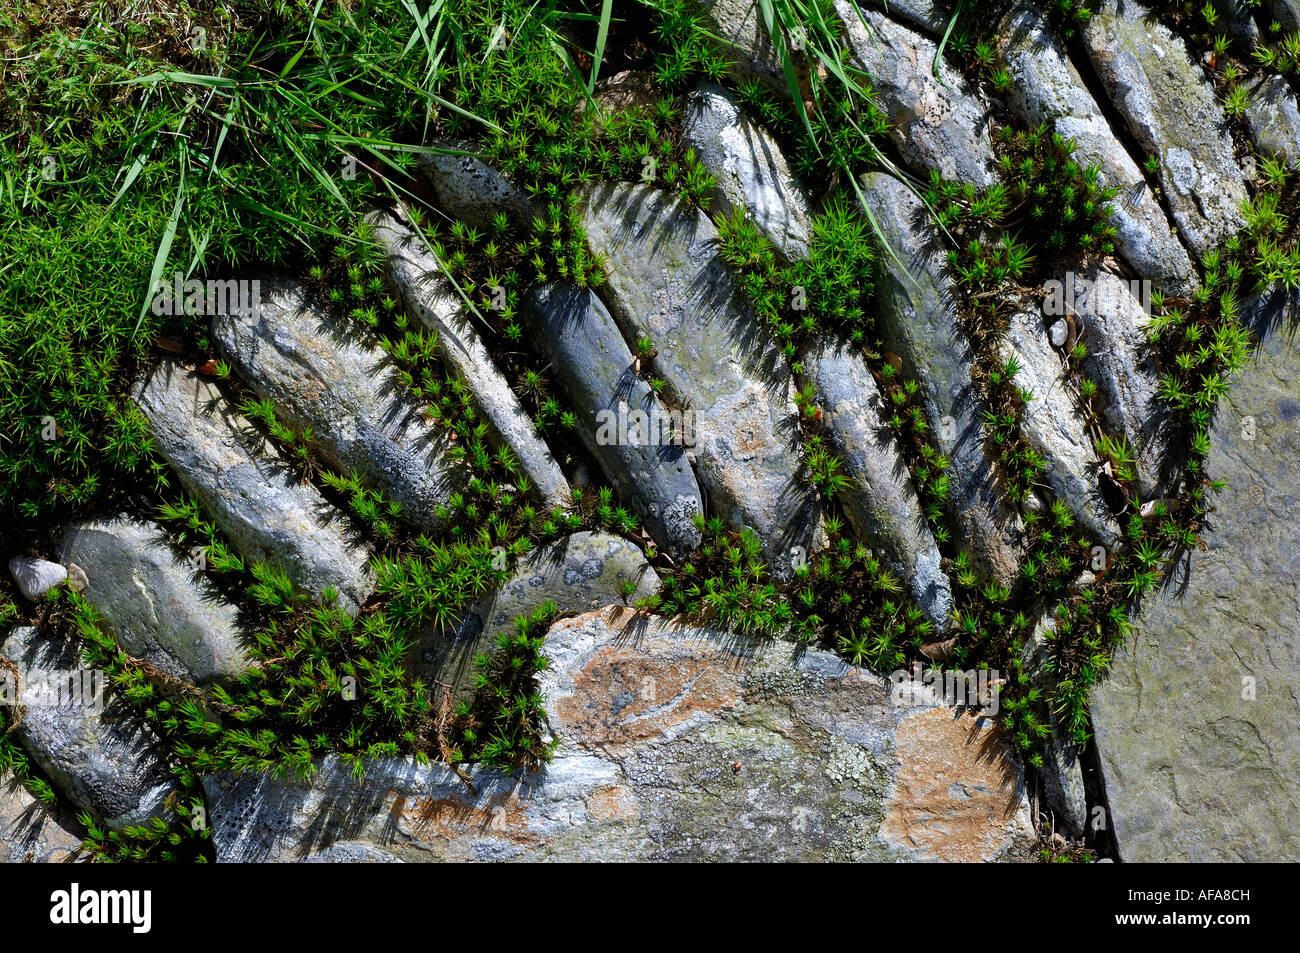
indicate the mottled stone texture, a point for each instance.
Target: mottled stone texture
{"x":1173,"y":113}
{"x":102,"y":756}
{"x":641,"y":446}
{"x":677,"y":743}
{"x":1194,"y":769}
{"x":154,"y":601}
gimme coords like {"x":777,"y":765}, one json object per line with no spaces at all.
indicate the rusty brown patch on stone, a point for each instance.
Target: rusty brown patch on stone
{"x":627,"y":693}
{"x":955,"y":797}
{"x":611,"y":802}
{"x":449,"y":820}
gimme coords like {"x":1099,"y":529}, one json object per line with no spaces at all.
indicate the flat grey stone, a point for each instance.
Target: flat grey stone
{"x":1121,"y":364}
{"x":667,"y":281}
{"x":32,"y":832}
{"x":104,"y":759}
{"x":646,"y":459}
{"x":750,"y":171}
{"x":1053,"y":426}
{"x":155,"y":602}
{"x":1174,"y":114}
{"x":1274,"y":119}
{"x":1046,"y":88}
{"x":265,"y":510}
{"x":676,"y":743}
{"x":323,"y":376}
{"x":933,"y":126}
{"x":918,"y":321}
{"x":1196,"y":723}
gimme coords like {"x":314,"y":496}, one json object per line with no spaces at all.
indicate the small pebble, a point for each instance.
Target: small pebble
{"x":36,"y":577}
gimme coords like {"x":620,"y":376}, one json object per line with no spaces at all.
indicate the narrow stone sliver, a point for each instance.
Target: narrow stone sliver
{"x":267,"y":512}
{"x":154,"y":601}
{"x":1119,"y":362}
{"x":917,"y":320}
{"x":428,"y":296}
{"x":882,"y":505}
{"x":1174,"y":114}
{"x":323,"y":376}
{"x":1046,"y":88}
{"x":639,"y":444}
{"x":1054,"y":428}
{"x":1273,"y":115}
{"x":667,"y":281}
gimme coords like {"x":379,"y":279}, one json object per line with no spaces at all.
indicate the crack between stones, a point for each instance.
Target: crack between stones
{"x":1105,"y":841}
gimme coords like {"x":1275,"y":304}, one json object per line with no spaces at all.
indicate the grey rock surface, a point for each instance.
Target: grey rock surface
{"x":1046,"y":88}
{"x":1274,"y":119}
{"x":643,"y":456}
{"x":469,"y":189}
{"x":1174,"y":114}
{"x":933,"y":126}
{"x":154,"y":601}
{"x":667,"y":281}
{"x":928,"y":16}
{"x":917,"y":321}
{"x":427,"y":294}
{"x":1052,"y":425}
{"x":32,"y":832}
{"x":105,"y":760}
{"x":1121,"y":364}
{"x":328,"y":378}
{"x":578,"y":573}
{"x":881,"y":505}
{"x":750,"y":171}
{"x":353,"y":852}
{"x":264,"y":509}
{"x":36,"y":577}
{"x":1285,"y":12}
{"x":676,"y":744}
{"x":1196,"y":722}
{"x":739,"y":25}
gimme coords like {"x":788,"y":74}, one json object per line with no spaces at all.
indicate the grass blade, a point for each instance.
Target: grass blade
{"x":165,"y":245}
